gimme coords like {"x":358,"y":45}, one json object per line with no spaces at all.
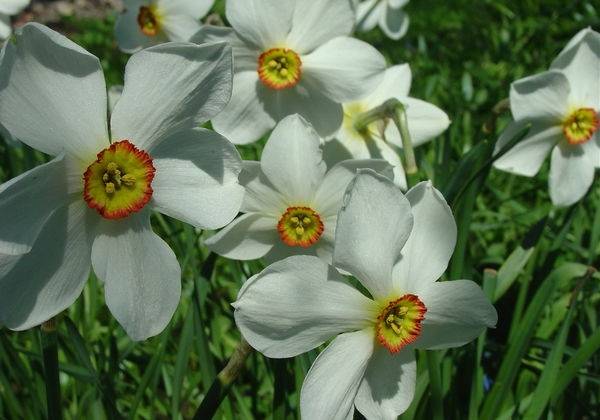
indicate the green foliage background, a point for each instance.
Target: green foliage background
{"x":540,"y":362}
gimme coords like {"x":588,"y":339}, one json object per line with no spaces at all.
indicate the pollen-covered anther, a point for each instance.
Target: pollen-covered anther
{"x":119,"y":182}
{"x":148,"y":20}
{"x":279,"y":68}
{"x":580,"y":125}
{"x":399,"y":322}
{"x":300,"y":226}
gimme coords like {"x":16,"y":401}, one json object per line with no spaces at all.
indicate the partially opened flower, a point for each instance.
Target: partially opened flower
{"x":90,"y":206}
{"x":9,"y":8}
{"x":388,"y":14}
{"x":397,"y":246}
{"x":562,"y":105}
{"x":291,"y":201}
{"x":379,"y":140}
{"x":149,"y":22}
{"x":292,"y":57}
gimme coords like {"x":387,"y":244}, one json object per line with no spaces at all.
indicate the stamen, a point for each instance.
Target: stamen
{"x":300,"y":226}
{"x":399,"y":322}
{"x":279,"y":68}
{"x":580,"y":126}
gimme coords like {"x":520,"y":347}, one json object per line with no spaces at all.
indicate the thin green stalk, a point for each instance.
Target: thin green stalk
{"x":435,"y":384}
{"x":393,"y":109}
{"x":49,"y":341}
{"x":223,"y":382}
{"x":282,"y":383}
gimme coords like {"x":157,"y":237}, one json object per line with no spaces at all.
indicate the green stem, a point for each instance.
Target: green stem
{"x":49,"y":341}
{"x":282,"y":383}
{"x":223,"y":382}
{"x":435,"y":384}
{"x":392,"y":109}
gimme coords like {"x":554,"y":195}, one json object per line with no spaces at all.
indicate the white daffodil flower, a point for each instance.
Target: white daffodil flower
{"x":149,"y":22}
{"x":90,"y":206}
{"x":292,"y":200}
{"x":10,"y":8}
{"x":425,"y":121}
{"x":397,"y":246}
{"x":292,"y":57}
{"x":562,"y":105}
{"x":388,"y":14}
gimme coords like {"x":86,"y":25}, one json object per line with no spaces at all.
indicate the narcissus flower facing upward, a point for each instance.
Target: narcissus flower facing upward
{"x":425,"y":121}
{"x":397,"y":246}
{"x":9,"y":8}
{"x":292,"y":200}
{"x":292,"y":57}
{"x":149,"y":22}
{"x":563,"y":107}
{"x":388,"y":14}
{"x":90,"y":206}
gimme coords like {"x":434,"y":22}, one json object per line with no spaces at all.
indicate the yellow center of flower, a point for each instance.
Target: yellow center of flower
{"x":119,"y":181}
{"x":149,"y":20}
{"x":399,"y":322}
{"x":581,"y":125}
{"x":300,"y":226}
{"x":279,"y":68}
{"x":351,"y":113}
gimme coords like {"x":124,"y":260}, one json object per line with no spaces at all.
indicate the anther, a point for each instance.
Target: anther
{"x":109,"y":188}
{"x":128,"y":180}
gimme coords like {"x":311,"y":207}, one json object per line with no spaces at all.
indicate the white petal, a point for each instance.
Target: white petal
{"x":261,"y":196}
{"x":114,"y":94}
{"x":571,"y":174}
{"x":425,"y":121}
{"x":248,"y":237}
{"x":316,"y":22}
{"x":308,"y":302}
{"x":386,"y":151}
{"x":180,"y":27}
{"x":245,"y":120}
{"x":344,"y":69}
{"x":171,"y":87}
{"x":264,"y":23}
{"x":426,"y":254}
{"x":368,"y":14}
{"x":396,"y":4}
{"x":54,"y":96}
{"x":281,"y":251}
{"x":330,"y":194}
{"x":394,"y":23}
{"x":580,"y":62}
{"x":192,"y":8}
{"x":196,"y":178}
{"x":292,"y":160}
{"x":372,"y":228}
{"x":542,"y":96}
{"x":129,"y":37}
{"x":324,"y":114}
{"x":26,"y":203}
{"x":395,"y":84}
{"x":12,"y":7}
{"x":331,"y":384}
{"x":141,"y":283}
{"x":48,"y":279}
{"x":388,"y":386}
{"x":457,"y":312}
{"x":528,"y":155}
{"x":244,"y":57}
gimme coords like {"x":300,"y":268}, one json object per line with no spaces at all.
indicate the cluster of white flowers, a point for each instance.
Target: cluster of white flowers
{"x":291,"y":66}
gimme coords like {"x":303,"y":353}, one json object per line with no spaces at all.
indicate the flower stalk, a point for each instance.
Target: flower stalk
{"x":49,"y":342}
{"x":223,"y":382}
{"x":392,"y":109}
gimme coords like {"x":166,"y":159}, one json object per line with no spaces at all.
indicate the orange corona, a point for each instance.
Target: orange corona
{"x":279,"y":68}
{"x":399,"y":322}
{"x":119,"y":181}
{"x":300,"y":226}
{"x":580,"y":125}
